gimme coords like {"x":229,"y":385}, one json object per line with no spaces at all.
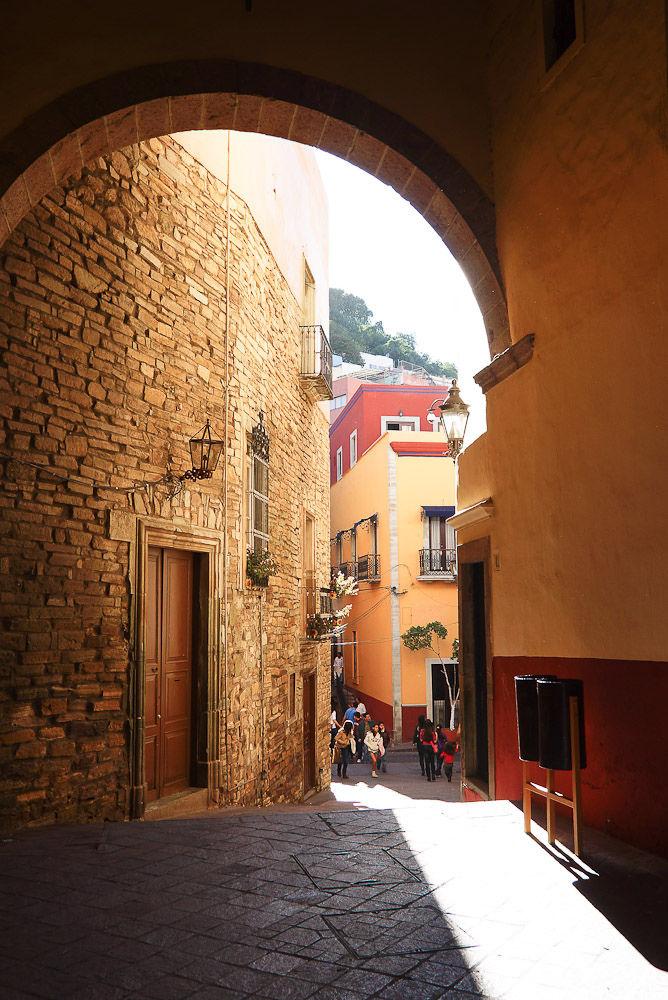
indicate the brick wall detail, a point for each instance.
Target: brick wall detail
{"x":113,"y":319}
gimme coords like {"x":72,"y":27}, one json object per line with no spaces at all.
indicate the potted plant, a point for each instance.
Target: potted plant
{"x":323,"y":625}
{"x":259,"y":567}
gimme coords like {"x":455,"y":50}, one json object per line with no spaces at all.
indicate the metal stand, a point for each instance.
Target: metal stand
{"x":548,"y":793}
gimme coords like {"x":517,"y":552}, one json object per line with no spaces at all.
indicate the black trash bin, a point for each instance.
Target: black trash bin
{"x":526,"y":699}
{"x":554,"y":726}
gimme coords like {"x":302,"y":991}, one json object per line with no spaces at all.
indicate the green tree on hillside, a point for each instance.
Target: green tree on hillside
{"x":353,"y":332}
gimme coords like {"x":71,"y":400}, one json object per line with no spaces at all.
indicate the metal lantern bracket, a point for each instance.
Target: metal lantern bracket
{"x":260,"y":439}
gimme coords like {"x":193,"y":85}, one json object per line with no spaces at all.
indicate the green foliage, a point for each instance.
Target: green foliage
{"x":455,"y":650}
{"x":422,"y":636}
{"x":352,"y":332}
{"x":259,"y":567}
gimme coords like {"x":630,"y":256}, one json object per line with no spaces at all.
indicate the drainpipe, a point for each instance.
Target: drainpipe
{"x":224,"y":716}
{"x":395,"y":623}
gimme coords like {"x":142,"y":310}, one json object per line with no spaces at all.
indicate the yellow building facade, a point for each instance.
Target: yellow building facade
{"x":389,"y":529}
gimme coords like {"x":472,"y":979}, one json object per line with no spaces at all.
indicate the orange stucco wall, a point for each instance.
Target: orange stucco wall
{"x":422,"y":481}
{"x":395,"y":487}
{"x":573,"y":456}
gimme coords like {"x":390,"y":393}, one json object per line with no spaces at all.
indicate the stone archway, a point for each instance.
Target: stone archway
{"x":95,"y":120}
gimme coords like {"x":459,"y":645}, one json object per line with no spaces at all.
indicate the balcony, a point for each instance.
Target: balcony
{"x":368,"y":568}
{"x":316,"y":370}
{"x":365,"y":568}
{"x":438,"y":564}
{"x":319,"y":613}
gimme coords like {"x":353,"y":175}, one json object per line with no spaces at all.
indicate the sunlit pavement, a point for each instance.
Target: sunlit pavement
{"x":371,"y":894}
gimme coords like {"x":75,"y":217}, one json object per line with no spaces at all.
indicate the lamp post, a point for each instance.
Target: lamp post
{"x":453,"y":419}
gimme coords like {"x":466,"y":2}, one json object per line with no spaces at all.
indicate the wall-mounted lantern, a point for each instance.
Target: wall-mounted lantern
{"x":205,"y":452}
{"x":453,"y":419}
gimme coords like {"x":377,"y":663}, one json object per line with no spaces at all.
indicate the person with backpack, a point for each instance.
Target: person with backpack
{"x":417,"y":743}
{"x":429,"y":748}
{"x":344,"y":749}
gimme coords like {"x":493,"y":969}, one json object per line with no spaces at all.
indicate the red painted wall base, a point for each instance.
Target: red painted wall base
{"x":409,"y":717}
{"x":627,"y":743}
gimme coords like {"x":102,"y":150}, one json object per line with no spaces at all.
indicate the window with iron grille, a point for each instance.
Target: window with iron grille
{"x":257,"y":512}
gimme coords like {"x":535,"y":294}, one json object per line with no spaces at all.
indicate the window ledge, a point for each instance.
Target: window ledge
{"x":438,"y":578}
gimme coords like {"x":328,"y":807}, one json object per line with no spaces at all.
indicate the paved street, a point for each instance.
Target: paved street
{"x":339,"y":900}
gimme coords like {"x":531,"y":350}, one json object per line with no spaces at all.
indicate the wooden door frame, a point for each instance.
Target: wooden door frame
{"x":153,"y":532}
{"x":478,"y":551}
{"x":314,"y":787}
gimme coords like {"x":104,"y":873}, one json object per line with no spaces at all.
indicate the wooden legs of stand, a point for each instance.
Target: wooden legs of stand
{"x":553,"y":798}
{"x":575,"y":763}
{"x":551,"y":818}
{"x":526,"y":797}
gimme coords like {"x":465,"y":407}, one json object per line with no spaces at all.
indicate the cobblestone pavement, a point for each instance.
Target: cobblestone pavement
{"x":423,"y":900}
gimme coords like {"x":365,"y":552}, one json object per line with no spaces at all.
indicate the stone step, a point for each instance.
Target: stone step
{"x":187,"y":803}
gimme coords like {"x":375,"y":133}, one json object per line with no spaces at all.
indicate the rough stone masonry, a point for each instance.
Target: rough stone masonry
{"x":113,"y":320}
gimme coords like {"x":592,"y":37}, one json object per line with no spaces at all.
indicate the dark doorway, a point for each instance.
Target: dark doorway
{"x":168,"y":731}
{"x":474,"y":675}
{"x":308,"y":716}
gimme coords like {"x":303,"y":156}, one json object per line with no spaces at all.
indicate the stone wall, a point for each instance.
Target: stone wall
{"x":113,"y":320}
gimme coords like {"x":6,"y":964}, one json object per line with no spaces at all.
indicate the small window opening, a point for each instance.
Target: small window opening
{"x":559,"y":29}
{"x":292,"y":695}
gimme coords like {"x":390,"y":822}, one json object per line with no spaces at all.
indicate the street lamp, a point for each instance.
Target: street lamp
{"x":453,"y":419}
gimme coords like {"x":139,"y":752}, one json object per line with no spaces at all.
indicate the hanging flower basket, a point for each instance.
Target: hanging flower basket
{"x":324,"y":625}
{"x":259,"y":567}
{"x":343,"y":586}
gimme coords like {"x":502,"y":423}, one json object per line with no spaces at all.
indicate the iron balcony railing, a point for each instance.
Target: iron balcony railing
{"x":317,"y":359}
{"x":364,"y":568}
{"x":368,"y":568}
{"x":438,"y":562}
{"x":320,"y":618}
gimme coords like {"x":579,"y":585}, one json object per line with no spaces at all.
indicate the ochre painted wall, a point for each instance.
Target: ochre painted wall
{"x":574,"y":456}
{"x":366,"y":489}
{"x":429,"y":480}
{"x":362,"y":492}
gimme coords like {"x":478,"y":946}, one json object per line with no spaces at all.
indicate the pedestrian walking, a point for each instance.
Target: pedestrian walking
{"x":450,"y":748}
{"x":429,"y":747}
{"x":360,"y":730}
{"x":385,"y":736}
{"x":418,"y":743}
{"x":440,"y":744}
{"x":337,"y":671}
{"x":344,"y":749}
{"x":333,"y":729}
{"x":373,"y":741}
{"x":349,"y":714}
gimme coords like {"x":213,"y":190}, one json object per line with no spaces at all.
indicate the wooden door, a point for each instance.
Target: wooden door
{"x":308,"y":716}
{"x":168,"y":657}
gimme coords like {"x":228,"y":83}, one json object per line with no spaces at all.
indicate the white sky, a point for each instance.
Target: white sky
{"x":382,"y":249}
